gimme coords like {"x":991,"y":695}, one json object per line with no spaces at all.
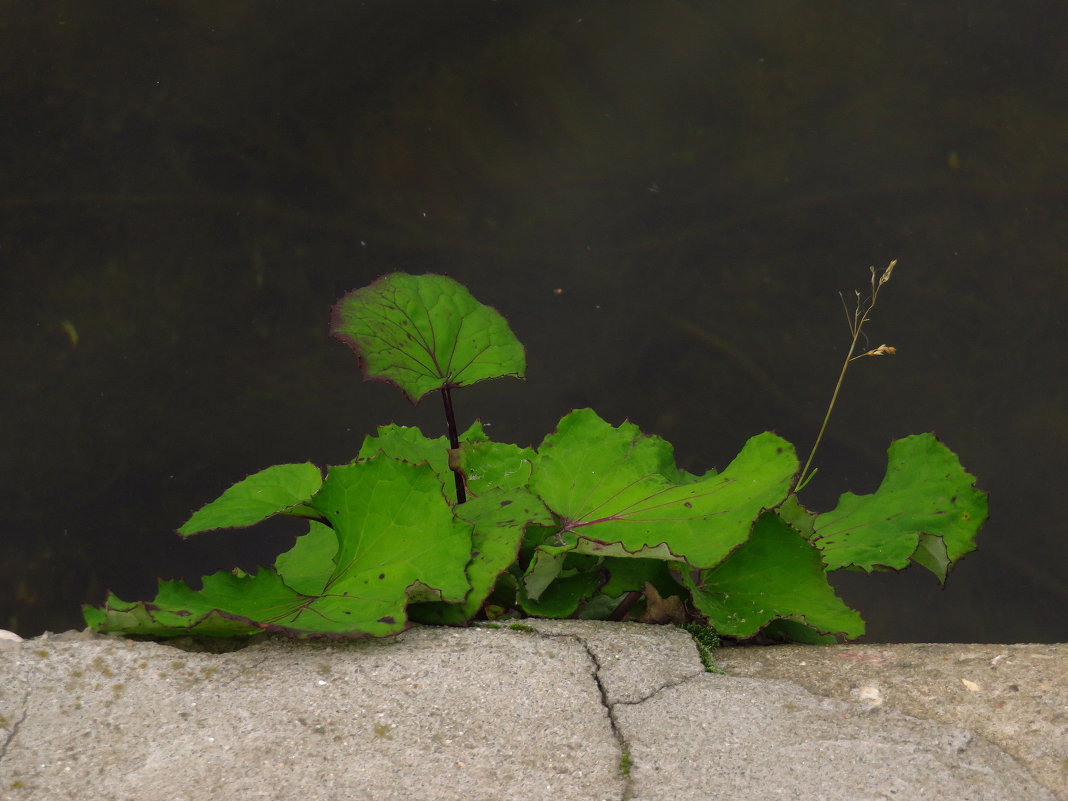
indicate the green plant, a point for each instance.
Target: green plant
{"x":596,"y":522}
{"x":706,"y":641}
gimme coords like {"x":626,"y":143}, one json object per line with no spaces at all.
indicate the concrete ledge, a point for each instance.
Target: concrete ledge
{"x":1015,"y":696}
{"x":552,"y":710}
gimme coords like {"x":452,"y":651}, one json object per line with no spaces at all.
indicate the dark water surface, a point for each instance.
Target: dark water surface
{"x":187,"y":188}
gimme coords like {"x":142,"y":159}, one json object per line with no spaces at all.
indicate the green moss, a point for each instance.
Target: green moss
{"x":522,"y":627}
{"x":706,"y":640}
{"x":625,"y":763}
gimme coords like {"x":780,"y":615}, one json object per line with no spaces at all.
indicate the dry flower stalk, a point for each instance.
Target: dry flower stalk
{"x":856,"y":319}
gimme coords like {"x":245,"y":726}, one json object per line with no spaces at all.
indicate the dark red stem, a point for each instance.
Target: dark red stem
{"x":454,"y":440}
{"x":623,"y":609}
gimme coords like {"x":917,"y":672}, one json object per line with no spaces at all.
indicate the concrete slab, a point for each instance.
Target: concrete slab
{"x":1015,"y":696}
{"x":551,"y":710}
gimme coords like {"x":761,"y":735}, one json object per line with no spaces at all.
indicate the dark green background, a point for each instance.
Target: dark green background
{"x":193,"y":185}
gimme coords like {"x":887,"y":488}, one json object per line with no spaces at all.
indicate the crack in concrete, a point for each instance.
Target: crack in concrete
{"x":621,"y":741}
{"x":669,"y":686}
{"x":624,"y":746}
{"x":15,"y":726}
{"x":625,"y":763}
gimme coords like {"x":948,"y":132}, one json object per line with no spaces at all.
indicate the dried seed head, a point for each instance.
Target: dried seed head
{"x":882,"y":350}
{"x":886,"y":273}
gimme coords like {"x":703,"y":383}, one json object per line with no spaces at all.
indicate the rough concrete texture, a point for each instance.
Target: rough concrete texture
{"x":433,"y":714}
{"x":1015,"y":696}
{"x":566,"y":710}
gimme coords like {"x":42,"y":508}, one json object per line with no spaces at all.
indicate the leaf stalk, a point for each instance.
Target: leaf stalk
{"x":454,"y":440}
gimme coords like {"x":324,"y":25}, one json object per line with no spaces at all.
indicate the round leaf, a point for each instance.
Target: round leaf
{"x":425,"y":332}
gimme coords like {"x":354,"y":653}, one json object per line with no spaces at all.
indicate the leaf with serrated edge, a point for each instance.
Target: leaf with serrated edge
{"x":394,"y":528}
{"x":499,"y":518}
{"x":140,"y":619}
{"x":410,"y":445}
{"x":610,"y":487}
{"x":261,"y":495}
{"x":776,"y":574}
{"x":925,"y":490}
{"x":260,"y":599}
{"x":797,"y":515}
{"x":425,"y":332}
{"x":396,"y":538}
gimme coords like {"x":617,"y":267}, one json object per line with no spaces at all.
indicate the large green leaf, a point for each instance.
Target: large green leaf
{"x":777,"y":574}
{"x":261,"y":599}
{"x":233,"y":603}
{"x":614,"y":491}
{"x":140,"y":618}
{"x":261,"y":495}
{"x":396,"y":541}
{"x":394,"y":529}
{"x":486,"y":465}
{"x":499,"y":518}
{"x":426,"y":332}
{"x":925,"y":496}
{"x":410,"y":445}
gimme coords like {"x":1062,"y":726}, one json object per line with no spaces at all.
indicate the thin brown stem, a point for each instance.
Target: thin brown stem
{"x":856,"y":321}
